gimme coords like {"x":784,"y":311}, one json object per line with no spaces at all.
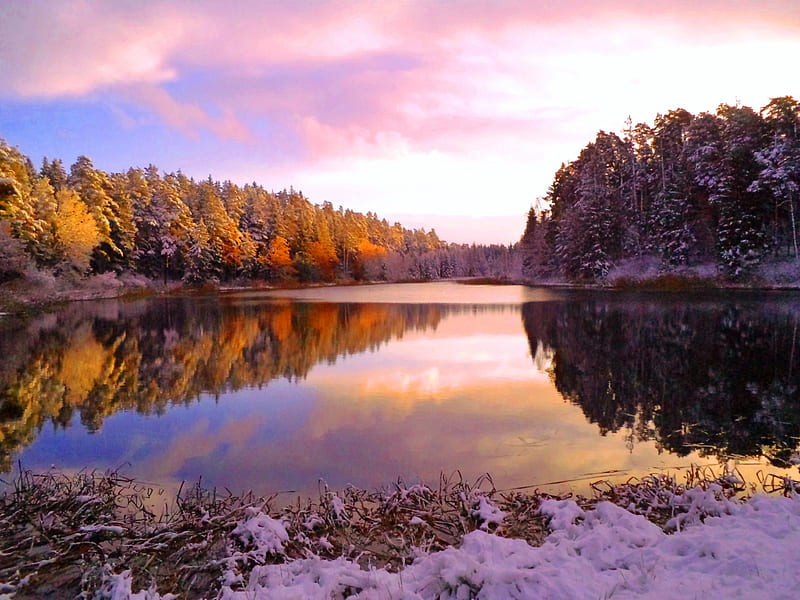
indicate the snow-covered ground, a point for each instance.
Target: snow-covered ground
{"x":717,"y":548}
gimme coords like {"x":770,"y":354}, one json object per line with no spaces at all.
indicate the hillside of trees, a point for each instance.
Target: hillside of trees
{"x":170,"y":227}
{"x":715,"y":188}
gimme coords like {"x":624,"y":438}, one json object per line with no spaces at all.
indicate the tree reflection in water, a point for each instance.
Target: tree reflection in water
{"x":720,"y":377}
{"x":99,"y":358}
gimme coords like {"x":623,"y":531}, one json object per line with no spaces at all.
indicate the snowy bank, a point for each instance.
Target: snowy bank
{"x":604,"y":552}
{"x":658,"y":539}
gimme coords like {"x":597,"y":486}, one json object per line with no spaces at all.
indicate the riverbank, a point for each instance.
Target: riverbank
{"x":37,"y":290}
{"x":106,"y":536}
{"x":647,"y":273}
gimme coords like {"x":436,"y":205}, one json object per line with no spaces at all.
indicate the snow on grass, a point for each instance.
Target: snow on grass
{"x":89,"y":535}
{"x":261,"y":533}
{"x":750,"y":551}
{"x":118,"y":587}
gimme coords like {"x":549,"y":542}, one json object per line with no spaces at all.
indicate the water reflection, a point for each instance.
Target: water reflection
{"x":270,"y":393}
{"x":721,"y":377}
{"x":461,"y":397}
{"x":94,"y":360}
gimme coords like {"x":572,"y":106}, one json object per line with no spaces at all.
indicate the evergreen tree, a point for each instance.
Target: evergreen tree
{"x":780,"y":174}
{"x":55,"y":172}
{"x":741,"y":235}
{"x":94,"y":189}
{"x":671,"y":223}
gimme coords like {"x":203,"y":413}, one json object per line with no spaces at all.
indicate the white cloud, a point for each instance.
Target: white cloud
{"x":57,"y":49}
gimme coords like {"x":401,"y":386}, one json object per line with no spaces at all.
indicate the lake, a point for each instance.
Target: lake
{"x":276,"y":391}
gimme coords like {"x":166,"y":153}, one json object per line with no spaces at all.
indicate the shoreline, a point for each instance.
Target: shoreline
{"x":33,"y":299}
{"x":102,"y":534}
{"x":36,"y":291}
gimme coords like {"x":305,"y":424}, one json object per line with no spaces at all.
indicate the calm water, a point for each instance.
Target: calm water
{"x":362,"y":385}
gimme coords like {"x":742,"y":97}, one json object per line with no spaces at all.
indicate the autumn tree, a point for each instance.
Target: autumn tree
{"x":17,"y":178}
{"x":93,"y":187}
{"x":76,"y":230}
{"x":173,"y":227}
{"x":278,"y":260}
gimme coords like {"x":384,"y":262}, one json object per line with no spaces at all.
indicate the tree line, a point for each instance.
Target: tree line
{"x":172,"y":227}
{"x":717,"y":188}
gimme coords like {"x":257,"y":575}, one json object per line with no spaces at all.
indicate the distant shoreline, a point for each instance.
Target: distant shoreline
{"x":28,"y":297}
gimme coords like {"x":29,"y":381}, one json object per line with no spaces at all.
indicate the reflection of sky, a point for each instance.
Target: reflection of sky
{"x":466,"y":397}
{"x":416,"y":293}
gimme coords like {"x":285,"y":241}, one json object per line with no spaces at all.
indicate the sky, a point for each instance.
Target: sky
{"x":451,"y":114}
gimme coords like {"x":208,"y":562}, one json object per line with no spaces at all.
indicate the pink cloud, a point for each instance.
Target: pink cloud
{"x":64,"y":49}
{"x":355,"y":78}
{"x":188,"y":117}
{"x":323,"y":140}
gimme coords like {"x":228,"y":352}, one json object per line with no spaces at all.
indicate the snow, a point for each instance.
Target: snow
{"x":118,"y":587}
{"x":263,"y":534}
{"x":338,"y":508}
{"x":488,"y":515}
{"x":721,"y":548}
{"x":115,"y":529}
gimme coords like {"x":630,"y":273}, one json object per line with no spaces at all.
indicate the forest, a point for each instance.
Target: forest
{"x":170,"y":227}
{"x":715,"y":188}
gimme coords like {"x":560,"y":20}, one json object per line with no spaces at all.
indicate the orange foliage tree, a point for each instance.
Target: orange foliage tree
{"x":278,"y":259}
{"x":324,"y":256}
{"x":369,"y":259}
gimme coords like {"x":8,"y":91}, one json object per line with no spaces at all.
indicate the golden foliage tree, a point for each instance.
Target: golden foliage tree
{"x":278,"y":259}
{"x":75,"y":229}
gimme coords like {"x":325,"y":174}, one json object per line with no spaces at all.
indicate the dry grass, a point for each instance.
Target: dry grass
{"x":654,"y":496}
{"x":63,"y":534}
{"x":667,"y":282}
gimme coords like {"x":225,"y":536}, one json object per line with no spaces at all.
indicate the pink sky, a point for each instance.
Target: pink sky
{"x":460,"y":111}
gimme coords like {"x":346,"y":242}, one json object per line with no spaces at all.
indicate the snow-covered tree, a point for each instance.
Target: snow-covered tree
{"x":94,"y":189}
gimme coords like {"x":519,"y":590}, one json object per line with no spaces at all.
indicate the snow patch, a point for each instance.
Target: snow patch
{"x":262,"y":534}
{"x":597,"y":553}
{"x":118,"y":587}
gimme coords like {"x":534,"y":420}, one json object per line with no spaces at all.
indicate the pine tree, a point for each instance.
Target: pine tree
{"x":55,"y":172}
{"x":742,"y":238}
{"x":163,"y":224}
{"x":673,"y":233}
{"x":780,"y":174}
{"x":535,"y":247}
{"x":94,"y":189}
